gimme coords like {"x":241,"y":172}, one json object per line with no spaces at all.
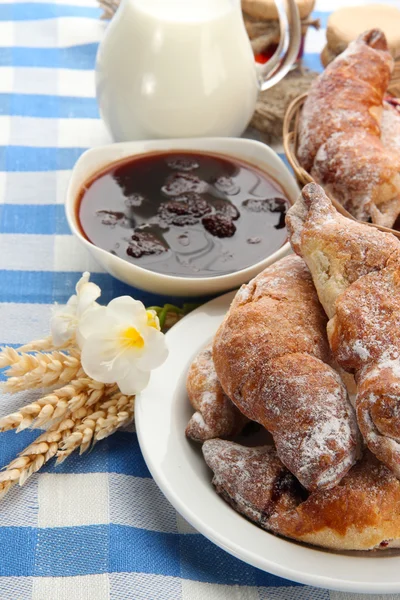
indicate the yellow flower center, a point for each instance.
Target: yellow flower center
{"x":152,"y":320}
{"x":131,"y":338}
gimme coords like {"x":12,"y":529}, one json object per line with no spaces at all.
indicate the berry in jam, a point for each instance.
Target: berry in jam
{"x":190,"y":214}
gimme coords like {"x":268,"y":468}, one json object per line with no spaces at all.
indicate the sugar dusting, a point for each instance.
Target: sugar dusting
{"x":319,"y":408}
{"x":361,"y":513}
{"x":368,"y":330}
{"x":271,"y":358}
{"x":253,"y":480}
{"x":367,"y":325}
{"x":360,"y":284}
{"x":336,"y":252}
{"x":216,"y":415}
{"x":390,"y":127}
{"x":341,"y":142}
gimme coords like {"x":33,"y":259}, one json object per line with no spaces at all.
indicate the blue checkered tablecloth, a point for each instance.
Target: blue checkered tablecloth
{"x":97,"y":527}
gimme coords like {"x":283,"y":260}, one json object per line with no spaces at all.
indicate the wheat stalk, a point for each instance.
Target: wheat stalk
{"x":8,"y":356}
{"x":32,"y":458}
{"x":54,"y":406}
{"x":38,"y":453}
{"x":79,"y":429}
{"x":39,"y":345}
{"x":103,"y":420}
{"x":27,"y":371}
{"x":120,"y":410}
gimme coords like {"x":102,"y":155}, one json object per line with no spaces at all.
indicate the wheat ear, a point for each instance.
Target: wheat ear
{"x":30,"y":460}
{"x":27,"y":371}
{"x":45,"y":344}
{"x":105,"y":419}
{"x":40,"y":451}
{"x":79,"y":428}
{"x":54,"y":406}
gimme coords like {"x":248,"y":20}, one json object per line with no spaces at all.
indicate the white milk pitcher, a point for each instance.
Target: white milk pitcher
{"x":185,"y":68}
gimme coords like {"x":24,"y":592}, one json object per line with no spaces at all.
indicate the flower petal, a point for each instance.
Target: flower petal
{"x":104,"y":358}
{"x":82,"y":281}
{"x":128,"y":311}
{"x":63,"y":324}
{"x":61,"y":329}
{"x":156,"y":350}
{"x":73,"y":302}
{"x":127,"y":359}
{"x":87,"y":297}
{"x":96,"y":320}
{"x":134,"y":382}
{"x":86,"y":293}
{"x":98,"y":359}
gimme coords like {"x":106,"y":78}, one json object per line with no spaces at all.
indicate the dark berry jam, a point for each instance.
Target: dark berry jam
{"x":184,"y":213}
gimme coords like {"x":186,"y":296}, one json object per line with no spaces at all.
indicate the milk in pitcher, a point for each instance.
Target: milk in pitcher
{"x":176,"y":68}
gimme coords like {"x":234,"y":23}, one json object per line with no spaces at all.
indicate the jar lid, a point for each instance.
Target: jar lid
{"x":345,"y":24}
{"x":265,"y":10}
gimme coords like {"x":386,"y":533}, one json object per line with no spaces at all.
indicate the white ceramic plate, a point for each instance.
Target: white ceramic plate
{"x":162,"y":413}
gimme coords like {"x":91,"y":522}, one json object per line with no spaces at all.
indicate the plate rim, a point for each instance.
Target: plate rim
{"x":243,"y":554}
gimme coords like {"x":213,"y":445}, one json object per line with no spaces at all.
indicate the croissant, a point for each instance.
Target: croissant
{"x":361,"y":513}
{"x":356,"y":271}
{"x":272,"y":359}
{"x":390,"y":124}
{"x":216,"y":415}
{"x":340,"y":135}
{"x":252,"y":480}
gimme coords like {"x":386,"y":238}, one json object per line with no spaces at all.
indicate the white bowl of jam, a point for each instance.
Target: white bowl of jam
{"x":185,"y":217}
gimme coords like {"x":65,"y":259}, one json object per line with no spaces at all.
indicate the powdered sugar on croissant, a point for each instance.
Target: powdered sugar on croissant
{"x":356,"y":271}
{"x":253,"y":480}
{"x":361,"y":513}
{"x":337,"y":251}
{"x":216,"y":415}
{"x":272,"y":358}
{"x":340,"y":140}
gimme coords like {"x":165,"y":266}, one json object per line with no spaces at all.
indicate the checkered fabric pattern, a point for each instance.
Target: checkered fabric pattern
{"x":97,"y":527}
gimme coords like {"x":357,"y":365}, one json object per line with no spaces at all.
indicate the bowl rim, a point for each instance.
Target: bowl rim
{"x":184,"y":144}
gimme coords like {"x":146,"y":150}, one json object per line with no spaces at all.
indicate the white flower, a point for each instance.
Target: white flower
{"x":65,"y":319}
{"x":121,"y":343}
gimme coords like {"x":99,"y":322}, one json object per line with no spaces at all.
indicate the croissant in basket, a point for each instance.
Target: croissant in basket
{"x":341,"y":142}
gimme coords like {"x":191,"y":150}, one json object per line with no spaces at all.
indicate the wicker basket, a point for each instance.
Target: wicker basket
{"x":290,"y":144}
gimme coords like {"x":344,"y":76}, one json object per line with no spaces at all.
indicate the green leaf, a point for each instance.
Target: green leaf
{"x":163,"y":311}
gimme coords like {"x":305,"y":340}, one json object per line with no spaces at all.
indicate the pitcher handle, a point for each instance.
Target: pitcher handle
{"x":288,"y":48}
